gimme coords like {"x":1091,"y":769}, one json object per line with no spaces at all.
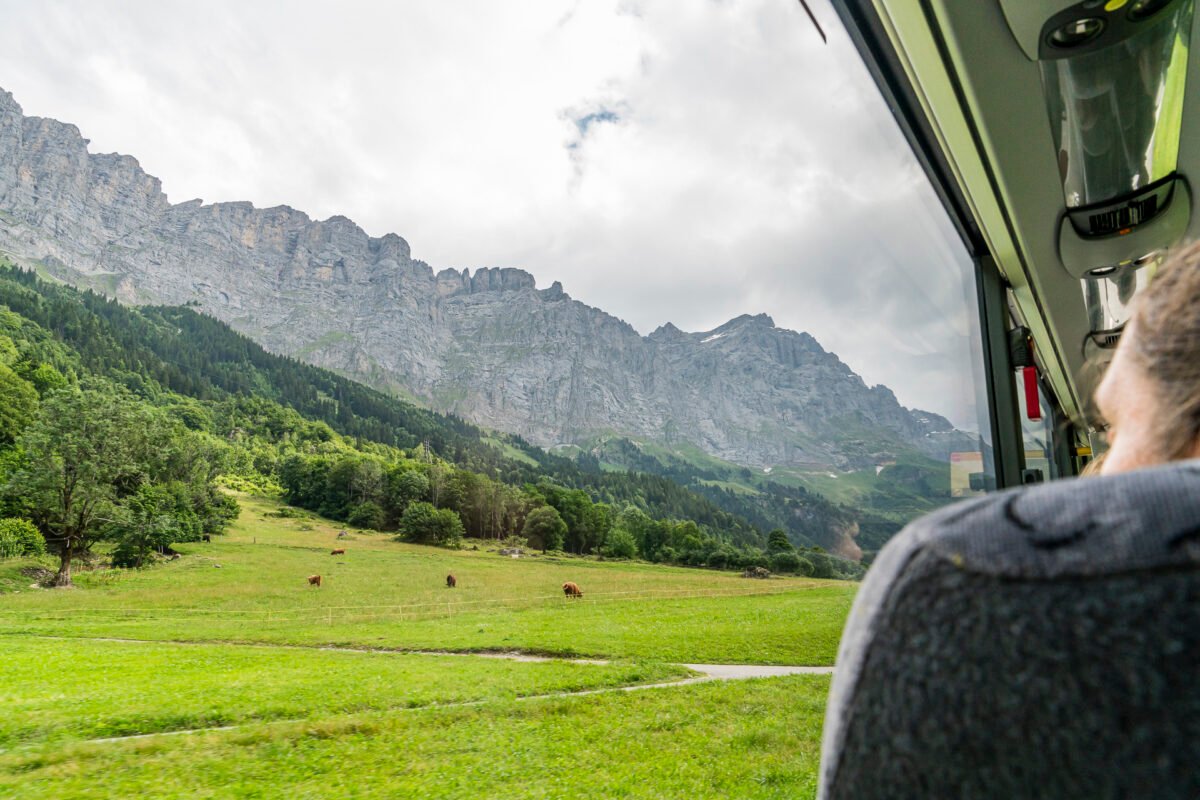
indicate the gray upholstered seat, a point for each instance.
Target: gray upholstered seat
{"x":1038,"y":643}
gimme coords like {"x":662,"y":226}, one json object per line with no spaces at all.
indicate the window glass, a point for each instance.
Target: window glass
{"x":1037,"y":435}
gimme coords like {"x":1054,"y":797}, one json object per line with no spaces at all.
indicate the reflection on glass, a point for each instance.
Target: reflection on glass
{"x":1115,"y":111}
{"x":1109,"y":293}
{"x":1038,"y":437}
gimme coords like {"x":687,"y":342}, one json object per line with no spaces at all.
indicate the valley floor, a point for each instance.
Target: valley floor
{"x":189,"y":680}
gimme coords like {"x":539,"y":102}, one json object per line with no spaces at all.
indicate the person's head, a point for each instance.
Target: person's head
{"x":1150,"y":395}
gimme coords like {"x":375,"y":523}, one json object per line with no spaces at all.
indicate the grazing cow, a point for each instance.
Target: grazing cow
{"x":451,"y":581}
{"x":206,"y":538}
{"x":341,"y":551}
{"x":342,"y":534}
{"x":572,"y":589}
{"x":314,"y":580}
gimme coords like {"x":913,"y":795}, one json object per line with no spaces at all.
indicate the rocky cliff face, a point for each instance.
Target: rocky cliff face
{"x":489,"y":346}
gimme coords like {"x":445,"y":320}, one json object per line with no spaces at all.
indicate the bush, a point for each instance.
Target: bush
{"x":219,"y":512}
{"x":514,"y":542}
{"x":777,"y":542}
{"x":721,"y":557}
{"x":823,"y":566}
{"x":251,"y":484}
{"x":545,"y":527}
{"x":19,"y":537}
{"x":424,"y":524}
{"x":619,"y":544}
{"x":149,"y":521}
{"x":785,"y":561}
{"x":286,"y":512}
{"x":366,"y":515}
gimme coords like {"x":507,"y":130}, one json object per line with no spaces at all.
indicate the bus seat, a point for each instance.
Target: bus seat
{"x":1042,"y":642}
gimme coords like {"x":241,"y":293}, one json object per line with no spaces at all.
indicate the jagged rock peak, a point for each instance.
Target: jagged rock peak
{"x":451,"y":282}
{"x":555,"y":292}
{"x":667,"y":331}
{"x":9,"y":103}
{"x":760,"y":320}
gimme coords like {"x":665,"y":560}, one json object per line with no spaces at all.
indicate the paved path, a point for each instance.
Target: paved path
{"x":736,"y":672}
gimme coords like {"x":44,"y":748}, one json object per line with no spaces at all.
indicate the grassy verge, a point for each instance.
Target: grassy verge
{"x":749,"y":739}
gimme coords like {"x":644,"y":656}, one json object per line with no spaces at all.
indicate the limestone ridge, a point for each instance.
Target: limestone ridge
{"x":486,"y":345}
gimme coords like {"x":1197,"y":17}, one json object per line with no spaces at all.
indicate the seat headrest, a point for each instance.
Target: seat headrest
{"x":1075,"y":528}
{"x":1091,"y":530}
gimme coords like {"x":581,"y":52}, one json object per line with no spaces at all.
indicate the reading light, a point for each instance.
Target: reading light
{"x":1076,"y":32}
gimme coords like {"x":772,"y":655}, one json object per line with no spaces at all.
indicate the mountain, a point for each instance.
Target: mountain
{"x":488,"y":346}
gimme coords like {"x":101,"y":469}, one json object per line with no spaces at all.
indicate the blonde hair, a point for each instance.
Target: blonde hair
{"x":1165,"y":343}
{"x":1092,"y":468}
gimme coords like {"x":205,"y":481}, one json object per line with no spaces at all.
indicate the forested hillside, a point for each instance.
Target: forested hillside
{"x":350,"y":452}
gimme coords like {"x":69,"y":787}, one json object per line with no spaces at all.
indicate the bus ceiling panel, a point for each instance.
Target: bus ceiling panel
{"x":1025,"y":20}
{"x":1085,"y":256}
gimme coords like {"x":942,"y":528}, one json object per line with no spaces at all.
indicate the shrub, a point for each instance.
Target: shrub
{"x":424,"y":524}
{"x":514,"y":542}
{"x":149,"y":521}
{"x":366,"y":515}
{"x":823,"y":566}
{"x":785,"y":561}
{"x":19,"y":537}
{"x":777,"y":542}
{"x":545,"y":527}
{"x":619,"y":544}
{"x":286,"y":512}
{"x":721,"y":557}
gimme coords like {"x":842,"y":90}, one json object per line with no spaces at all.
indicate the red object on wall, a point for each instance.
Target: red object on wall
{"x":1033,"y":406}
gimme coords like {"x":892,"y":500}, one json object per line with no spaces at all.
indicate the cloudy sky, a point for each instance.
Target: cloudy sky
{"x":667,"y":160}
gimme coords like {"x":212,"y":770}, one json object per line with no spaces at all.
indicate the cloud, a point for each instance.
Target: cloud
{"x":677,"y":161}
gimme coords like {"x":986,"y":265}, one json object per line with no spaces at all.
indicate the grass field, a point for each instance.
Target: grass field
{"x":384,"y":593}
{"x":126,"y":688}
{"x":247,"y":645}
{"x":749,"y":739}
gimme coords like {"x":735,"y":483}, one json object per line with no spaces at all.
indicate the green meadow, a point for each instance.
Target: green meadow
{"x":224,"y":674}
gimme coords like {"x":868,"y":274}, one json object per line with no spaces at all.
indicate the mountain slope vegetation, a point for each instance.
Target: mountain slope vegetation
{"x":353,"y":453}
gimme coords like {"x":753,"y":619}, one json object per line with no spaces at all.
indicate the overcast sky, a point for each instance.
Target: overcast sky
{"x":667,"y":160}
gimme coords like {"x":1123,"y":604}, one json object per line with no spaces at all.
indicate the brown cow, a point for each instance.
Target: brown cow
{"x":341,"y":551}
{"x":451,"y":581}
{"x":314,"y":580}
{"x":572,"y":589}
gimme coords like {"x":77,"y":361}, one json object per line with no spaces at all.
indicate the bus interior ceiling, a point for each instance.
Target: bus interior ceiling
{"x":1037,"y":108}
